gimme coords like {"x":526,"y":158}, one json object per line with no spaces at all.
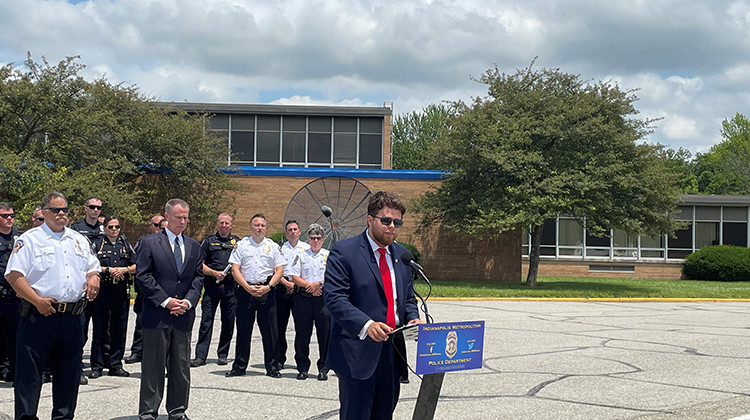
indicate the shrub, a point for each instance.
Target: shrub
{"x":413,"y":249}
{"x":277,"y":237}
{"x":721,"y":262}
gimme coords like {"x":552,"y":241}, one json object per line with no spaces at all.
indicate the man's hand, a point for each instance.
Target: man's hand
{"x":92,"y":286}
{"x":378,"y":331}
{"x":219,"y":275}
{"x":177,"y":306}
{"x":288,"y":285}
{"x":258,"y":290}
{"x":44,"y":306}
{"x":415,"y":321}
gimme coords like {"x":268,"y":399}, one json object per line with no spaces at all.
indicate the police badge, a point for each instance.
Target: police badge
{"x":451,"y":344}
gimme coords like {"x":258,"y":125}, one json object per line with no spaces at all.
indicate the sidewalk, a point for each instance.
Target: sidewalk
{"x":542,"y":360}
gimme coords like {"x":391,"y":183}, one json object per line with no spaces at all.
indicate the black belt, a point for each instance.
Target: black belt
{"x":7,"y":292}
{"x":73,"y":308}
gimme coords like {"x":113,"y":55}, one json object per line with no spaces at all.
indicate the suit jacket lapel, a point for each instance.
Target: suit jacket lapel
{"x":168,"y":250}
{"x":369,"y":256}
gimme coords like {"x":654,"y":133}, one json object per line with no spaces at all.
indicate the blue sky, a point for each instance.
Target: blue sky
{"x":690,"y":60}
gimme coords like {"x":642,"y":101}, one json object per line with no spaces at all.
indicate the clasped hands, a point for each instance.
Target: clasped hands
{"x":177,"y":306}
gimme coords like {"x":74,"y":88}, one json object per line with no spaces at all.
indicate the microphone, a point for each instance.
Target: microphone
{"x":327,"y":212}
{"x":408,"y":259}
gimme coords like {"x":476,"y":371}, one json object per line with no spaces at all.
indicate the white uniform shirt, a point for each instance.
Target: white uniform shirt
{"x":312,"y":267}
{"x":256,"y":261}
{"x":291,"y":256}
{"x":55,"y":264}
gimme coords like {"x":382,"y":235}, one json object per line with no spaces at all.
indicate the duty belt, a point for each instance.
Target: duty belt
{"x":74,"y":308}
{"x":7,"y":292}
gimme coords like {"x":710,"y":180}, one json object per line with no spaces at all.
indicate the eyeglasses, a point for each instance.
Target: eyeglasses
{"x":8,"y":215}
{"x":41,"y":219}
{"x":386,"y":221}
{"x":93,"y":207}
{"x":113,"y":227}
{"x":58,"y":209}
{"x":155,"y":224}
{"x":315,"y":238}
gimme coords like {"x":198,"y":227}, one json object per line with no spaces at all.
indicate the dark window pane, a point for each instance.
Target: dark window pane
{"x":548,"y":232}
{"x":371,"y":125}
{"x":294,"y":123}
{"x":592,"y":240}
{"x":320,"y":124}
{"x":706,"y":234}
{"x":268,"y":147}
{"x":344,"y":148}
{"x":684,"y":213}
{"x":671,"y":253}
{"x":735,"y":214}
{"x":319,"y":148}
{"x":243,"y":146}
{"x":269,"y":122}
{"x":243,"y":122}
{"x":294,"y":147}
{"x":547,"y":251}
{"x":370,"y":148}
{"x":219,"y":122}
{"x":707,"y":213}
{"x":684,"y":239}
{"x":345,"y":125}
{"x":735,"y":234}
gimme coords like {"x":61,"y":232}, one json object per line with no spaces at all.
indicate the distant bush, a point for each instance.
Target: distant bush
{"x":413,"y":249}
{"x":721,"y":262}
{"x":277,"y":237}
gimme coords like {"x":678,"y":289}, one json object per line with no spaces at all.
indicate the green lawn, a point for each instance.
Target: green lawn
{"x":591,"y":288}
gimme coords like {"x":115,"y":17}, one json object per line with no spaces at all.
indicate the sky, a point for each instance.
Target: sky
{"x":689,"y":60}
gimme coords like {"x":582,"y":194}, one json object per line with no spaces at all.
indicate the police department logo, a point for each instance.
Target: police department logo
{"x":451,"y":344}
{"x":19,"y":244}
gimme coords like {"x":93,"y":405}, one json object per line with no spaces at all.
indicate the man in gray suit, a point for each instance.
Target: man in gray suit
{"x":169,"y":271}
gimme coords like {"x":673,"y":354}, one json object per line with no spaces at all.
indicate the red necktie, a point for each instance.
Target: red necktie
{"x":385,"y":275}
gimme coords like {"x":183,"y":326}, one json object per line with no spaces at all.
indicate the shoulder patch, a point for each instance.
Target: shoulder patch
{"x":19,"y":244}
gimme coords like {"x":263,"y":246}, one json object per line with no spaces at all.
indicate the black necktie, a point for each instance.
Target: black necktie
{"x":177,"y":253}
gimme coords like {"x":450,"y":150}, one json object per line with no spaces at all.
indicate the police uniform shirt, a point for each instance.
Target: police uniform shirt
{"x":291,"y":256}
{"x":55,"y":264}
{"x":217,"y":250}
{"x":92,"y":233}
{"x":114,"y":254}
{"x":6,"y":246}
{"x":256,"y":260}
{"x":312,"y":266}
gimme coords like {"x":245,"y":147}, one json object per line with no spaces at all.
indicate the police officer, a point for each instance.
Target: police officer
{"x":136,"y":348}
{"x":218,"y":289}
{"x":257,"y":267}
{"x":9,"y":301}
{"x":308,"y":272}
{"x":37,"y":218}
{"x":290,"y":250}
{"x":53,"y":269}
{"x":92,"y":229}
{"x":110,"y":313}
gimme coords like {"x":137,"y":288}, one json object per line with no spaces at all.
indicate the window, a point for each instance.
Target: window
{"x":319,"y":141}
{"x":570,"y":239}
{"x":344,"y":141}
{"x":269,"y":138}
{"x":243,"y":138}
{"x":293,"y":149}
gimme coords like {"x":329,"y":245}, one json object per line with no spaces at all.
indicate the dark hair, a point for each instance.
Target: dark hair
{"x":261,"y":215}
{"x":289,"y":222}
{"x":5,"y":206}
{"x":50,"y":196}
{"x":111,"y":218}
{"x":383,"y":199}
{"x":93,"y":197}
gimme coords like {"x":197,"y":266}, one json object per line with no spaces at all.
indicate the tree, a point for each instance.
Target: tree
{"x":413,"y":133}
{"x":542,"y":143}
{"x":724,"y":169}
{"x":61,"y":132}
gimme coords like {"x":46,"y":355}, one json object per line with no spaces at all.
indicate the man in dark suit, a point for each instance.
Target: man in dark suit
{"x":368,"y":293}
{"x":169,"y":271}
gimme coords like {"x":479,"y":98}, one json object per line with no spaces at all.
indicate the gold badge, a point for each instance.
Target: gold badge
{"x":451,"y":344}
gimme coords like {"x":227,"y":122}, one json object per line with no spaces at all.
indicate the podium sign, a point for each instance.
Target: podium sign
{"x":449,"y":346}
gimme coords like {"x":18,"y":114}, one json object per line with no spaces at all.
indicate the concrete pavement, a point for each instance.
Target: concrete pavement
{"x":542,"y":360}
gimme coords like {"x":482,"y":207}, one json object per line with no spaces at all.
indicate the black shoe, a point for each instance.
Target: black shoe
{"x":302,"y":376}
{"x":197,"y":362}
{"x":281,"y":366}
{"x":46,"y":377}
{"x":222,"y":361}
{"x":233,"y":372}
{"x":118,"y":372}
{"x":85,"y":381}
{"x":323,"y":376}
{"x":96,"y":373}
{"x":274,"y":374}
{"x":403,"y":380}
{"x":133,"y":358}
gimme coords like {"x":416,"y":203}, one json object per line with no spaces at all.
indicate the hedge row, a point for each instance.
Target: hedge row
{"x":720,"y":262}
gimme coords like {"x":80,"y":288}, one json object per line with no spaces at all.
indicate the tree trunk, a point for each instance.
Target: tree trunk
{"x":536,"y":241}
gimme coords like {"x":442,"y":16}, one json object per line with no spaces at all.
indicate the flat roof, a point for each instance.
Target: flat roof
{"x":708,"y":199}
{"x":322,"y":172}
{"x":310,"y":110}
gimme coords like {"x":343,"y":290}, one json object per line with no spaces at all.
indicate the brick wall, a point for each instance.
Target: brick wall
{"x":643,"y":270}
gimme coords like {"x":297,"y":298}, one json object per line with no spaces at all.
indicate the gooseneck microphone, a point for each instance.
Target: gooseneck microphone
{"x":327,"y":212}
{"x":408,"y":259}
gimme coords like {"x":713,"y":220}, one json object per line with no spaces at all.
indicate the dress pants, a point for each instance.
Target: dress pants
{"x":247,"y":308}
{"x":374,"y":397}
{"x":309,"y":310}
{"x":53,"y":341}
{"x":213,"y":297}
{"x":137,"y":346}
{"x":9,"y":319}
{"x":284,"y":307}
{"x":109,"y":314}
{"x":160,"y":345}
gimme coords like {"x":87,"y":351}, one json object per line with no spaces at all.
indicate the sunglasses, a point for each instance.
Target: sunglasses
{"x":156,"y":224}
{"x":113,"y":227}
{"x":41,"y":219}
{"x":58,"y":209}
{"x":315,"y":238}
{"x":386,"y":221}
{"x":8,"y":215}
{"x":93,"y":207}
